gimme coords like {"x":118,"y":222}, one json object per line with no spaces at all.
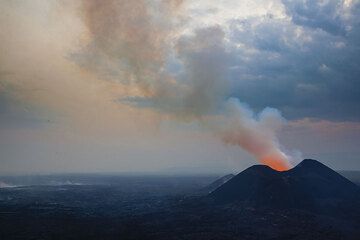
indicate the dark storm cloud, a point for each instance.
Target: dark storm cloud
{"x":325,"y":15}
{"x":306,"y":67}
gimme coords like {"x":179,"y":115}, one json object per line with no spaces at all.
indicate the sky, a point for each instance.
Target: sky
{"x":178,"y":86}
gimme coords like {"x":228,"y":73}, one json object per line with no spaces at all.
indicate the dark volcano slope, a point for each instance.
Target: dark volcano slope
{"x":217,"y":183}
{"x":310,"y":185}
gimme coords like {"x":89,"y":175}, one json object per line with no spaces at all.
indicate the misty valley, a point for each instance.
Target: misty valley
{"x":131,"y":206}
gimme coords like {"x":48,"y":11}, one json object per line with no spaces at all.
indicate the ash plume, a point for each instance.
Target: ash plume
{"x":255,"y":134}
{"x":129,"y":41}
{"x":134,"y":42}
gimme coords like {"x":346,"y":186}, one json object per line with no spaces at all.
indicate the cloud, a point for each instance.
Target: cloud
{"x":39,"y":76}
{"x":122,"y":67}
{"x":326,"y":15}
{"x":15,"y":114}
{"x":305,"y":71}
{"x":135,"y":43}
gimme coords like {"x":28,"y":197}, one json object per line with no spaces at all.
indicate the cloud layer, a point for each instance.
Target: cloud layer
{"x":305,"y":63}
{"x":134,"y":41}
{"x":117,"y":67}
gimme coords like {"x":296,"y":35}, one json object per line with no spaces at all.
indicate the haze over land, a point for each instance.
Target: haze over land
{"x":177,"y":85}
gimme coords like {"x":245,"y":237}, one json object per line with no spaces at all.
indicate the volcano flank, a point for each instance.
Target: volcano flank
{"x":309,"y":186}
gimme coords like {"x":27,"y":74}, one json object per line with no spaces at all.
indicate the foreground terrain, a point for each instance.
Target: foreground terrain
{"x":148,"y":207}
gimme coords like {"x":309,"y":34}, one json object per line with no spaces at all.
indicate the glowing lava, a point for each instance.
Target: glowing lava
{"x":276,"y":163}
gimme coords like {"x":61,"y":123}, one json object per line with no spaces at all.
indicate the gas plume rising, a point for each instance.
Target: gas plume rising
{"x":131,"y":42}
{"x":256,"y":134}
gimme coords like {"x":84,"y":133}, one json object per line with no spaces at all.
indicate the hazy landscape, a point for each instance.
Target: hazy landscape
{"x":180,"y":119}
{"x":104,"y":206}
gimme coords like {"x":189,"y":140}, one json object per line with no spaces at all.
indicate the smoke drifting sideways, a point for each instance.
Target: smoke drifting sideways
{"x":136,"y":43}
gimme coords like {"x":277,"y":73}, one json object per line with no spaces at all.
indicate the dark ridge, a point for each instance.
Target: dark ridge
{"x":352,"y":175}
{"x":260,"y":168}
{"x":247,"y":185}
{"x":217,"y":183}
{"x":310,"y":185}
{"x":310,"y":165}
{"x":310,"y":162}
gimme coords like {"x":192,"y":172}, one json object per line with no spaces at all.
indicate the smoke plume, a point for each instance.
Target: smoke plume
{"x":134,"y":42}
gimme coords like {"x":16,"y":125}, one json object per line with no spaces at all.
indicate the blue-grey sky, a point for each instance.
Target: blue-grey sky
{"x":190,"y":86}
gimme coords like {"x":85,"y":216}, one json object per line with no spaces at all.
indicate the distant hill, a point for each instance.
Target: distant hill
{"x":353,"y":176}
{"x":310,"y":185}
{"x":217,"y":183}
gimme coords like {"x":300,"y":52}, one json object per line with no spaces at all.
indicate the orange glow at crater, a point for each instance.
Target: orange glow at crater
{"x":276,"y":163}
